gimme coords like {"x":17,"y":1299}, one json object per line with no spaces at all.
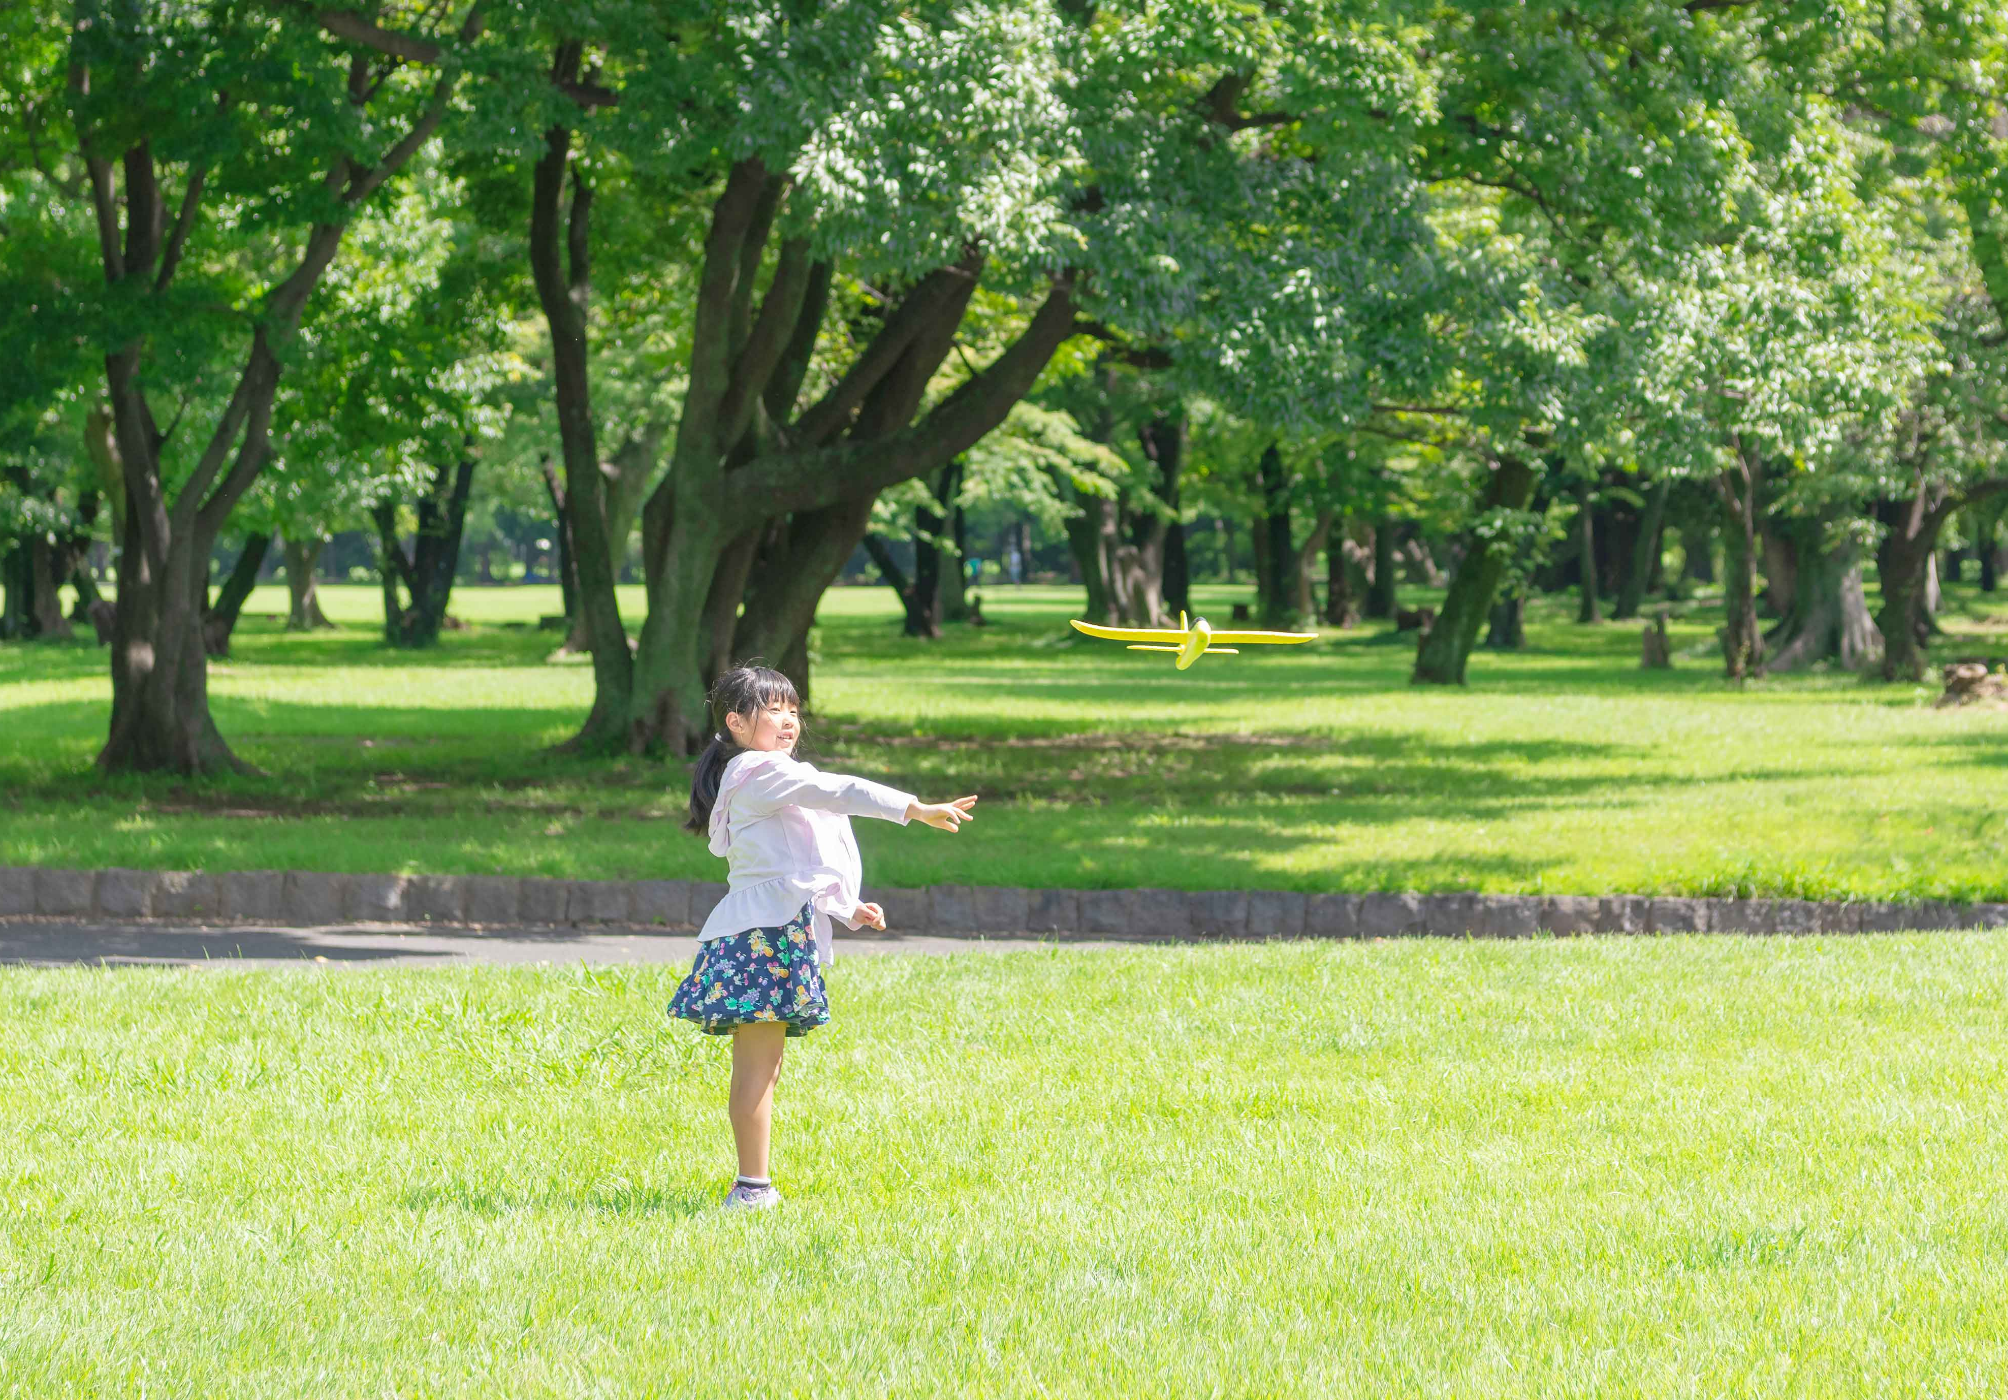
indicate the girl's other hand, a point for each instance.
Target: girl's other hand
{"x":947,"y":816}
{"x":871,"y":916}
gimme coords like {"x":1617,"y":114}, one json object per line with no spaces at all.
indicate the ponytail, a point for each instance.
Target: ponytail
{"x":744,"y":690}
{"x":704,"y":778}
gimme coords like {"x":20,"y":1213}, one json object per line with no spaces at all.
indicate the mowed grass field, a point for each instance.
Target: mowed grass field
{"x":1560,"y":769}
{"x":1651,"y":1168}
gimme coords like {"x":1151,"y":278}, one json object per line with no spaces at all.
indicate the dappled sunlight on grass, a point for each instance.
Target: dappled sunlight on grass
{"x":1564,"y":768}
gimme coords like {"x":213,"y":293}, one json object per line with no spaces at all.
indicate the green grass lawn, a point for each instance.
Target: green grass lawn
{"x":1667,"y":1167}
{"x":1562,"y":769}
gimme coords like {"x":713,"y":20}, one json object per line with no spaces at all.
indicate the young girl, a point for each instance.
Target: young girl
{"x":786,"y":830}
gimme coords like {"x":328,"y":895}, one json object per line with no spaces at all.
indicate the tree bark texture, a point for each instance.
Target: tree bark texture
{"x":1446,"y":647}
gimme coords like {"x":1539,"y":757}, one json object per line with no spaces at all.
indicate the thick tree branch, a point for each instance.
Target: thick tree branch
{"x":104,"y":201}
{"x":1121,"y":351}
{"x":177,"y":241}
{"x":209,"y":517}
{"x":751,"y":251}
{"x":819,"y":477}
{"x":1222,"y":106}
{"x":784,"y":386}
{"x":146,"y":213}
{"x":698,"y":433}
{"x":828,"y":415}
{"x":346,"y":24}
{"x":766,"y":341}
{"x":365,"y":184}
{"x":578,"y":241}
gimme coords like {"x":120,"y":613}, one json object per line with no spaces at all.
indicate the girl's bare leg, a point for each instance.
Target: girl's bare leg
{"x":756,"y":1069}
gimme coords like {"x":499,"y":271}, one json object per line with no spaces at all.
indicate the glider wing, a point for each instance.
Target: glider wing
{"x":1130,"y":634}
{"x":1250,"y":638}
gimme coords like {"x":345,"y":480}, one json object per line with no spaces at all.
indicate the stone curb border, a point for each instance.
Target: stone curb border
{"x":312,"y":898}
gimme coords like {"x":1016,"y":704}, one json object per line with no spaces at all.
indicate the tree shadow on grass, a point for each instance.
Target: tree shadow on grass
{"x":1987,"y":749}
{"x":622,"y":1201}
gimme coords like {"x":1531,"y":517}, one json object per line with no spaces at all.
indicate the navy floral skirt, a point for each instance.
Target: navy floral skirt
{"x":763,"y":974}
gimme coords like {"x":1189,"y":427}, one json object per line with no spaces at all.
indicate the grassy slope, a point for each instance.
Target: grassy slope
{"x":1676,"y":1167}
{"x":1563,"y":769}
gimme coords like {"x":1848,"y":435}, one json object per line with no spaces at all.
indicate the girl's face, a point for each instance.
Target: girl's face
{"x":771,"y":729}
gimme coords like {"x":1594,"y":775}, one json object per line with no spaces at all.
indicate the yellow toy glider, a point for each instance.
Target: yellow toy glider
{"x":1191,"y":642}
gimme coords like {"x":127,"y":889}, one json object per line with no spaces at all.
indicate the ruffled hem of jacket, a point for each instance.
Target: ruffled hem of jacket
{"x":823,"y":891}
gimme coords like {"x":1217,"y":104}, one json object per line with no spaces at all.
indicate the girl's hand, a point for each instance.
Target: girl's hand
{"x":871,"y":916}
{"x":948,"y":816}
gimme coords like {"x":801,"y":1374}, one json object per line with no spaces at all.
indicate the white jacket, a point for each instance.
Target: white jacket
{"x":785,"y":829}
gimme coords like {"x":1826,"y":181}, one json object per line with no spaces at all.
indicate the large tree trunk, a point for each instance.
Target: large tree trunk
{"x":1307,"y":558}
{"x":1087,"y":536}
{"x":1508,"y":625}
{"x":302,"y":556}
{"x":924,"y":611}
{"x":1586,"y":534}
{"x":1381,"y":583}
{"x":627,"y":474}
{"x":953,"y":563}
{"x":1986,"y":534}
{"x":1911,"y":528}
{"x":1446,"y":646}
{"x":1697,"y":547}
{"x":781,"y":607}
{"x":561,"y":531}
{"x":1830,"y":616}
{"x":1163,"y":440}
{"x":1276,"y":559}
{"x":1340,"y":608}
{"x":920,"y":620}
{"x":17,"y":591}
{"x":221,"y":618}
{"x":427,"y":574}
{"x":560,"y":267}
{"x":1647,"y":548}
{"x":1742,"y":641}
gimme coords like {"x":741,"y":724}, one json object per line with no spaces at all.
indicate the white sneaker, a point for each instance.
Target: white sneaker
{"x":744,"y":1197}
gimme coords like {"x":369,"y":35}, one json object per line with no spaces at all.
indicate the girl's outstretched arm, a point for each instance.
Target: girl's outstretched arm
{"x":776,"y":781}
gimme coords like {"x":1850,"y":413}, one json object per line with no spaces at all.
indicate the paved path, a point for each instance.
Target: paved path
{"x":56,"y":941}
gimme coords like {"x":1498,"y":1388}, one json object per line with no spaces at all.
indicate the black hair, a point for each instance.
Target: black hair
{"x":743,"y":690}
